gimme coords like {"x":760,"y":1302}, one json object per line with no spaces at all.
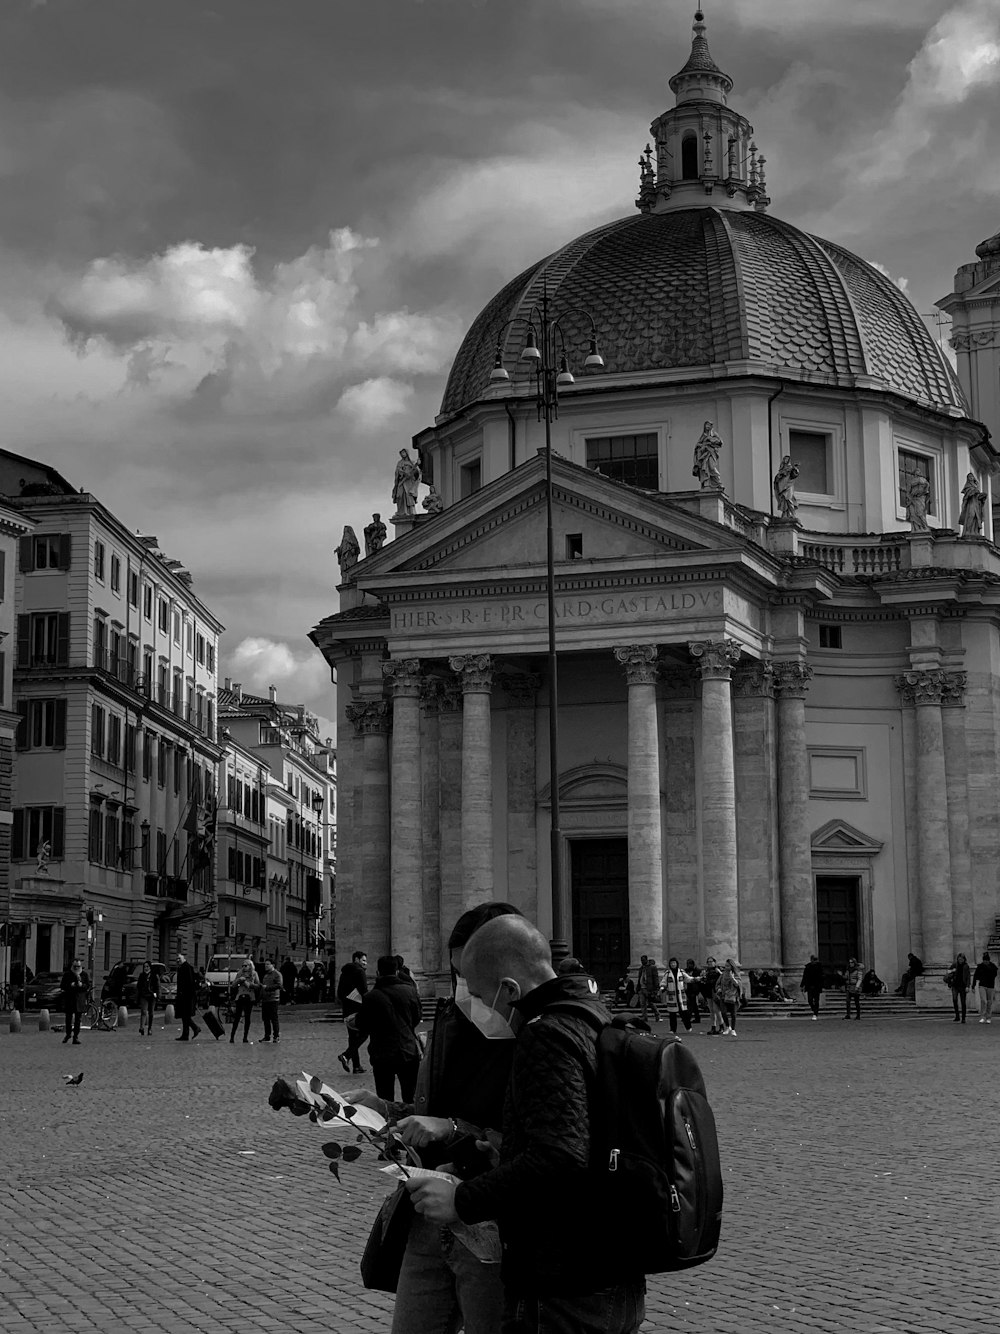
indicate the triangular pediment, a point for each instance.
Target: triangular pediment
{"x":503,"y":526}
{"x":839,"y":836}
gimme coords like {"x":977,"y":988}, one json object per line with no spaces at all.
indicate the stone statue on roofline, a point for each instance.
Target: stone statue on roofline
{"x":432,"y":502}
{"x":970,"y":520}
{"x":706,"y":458}
{"x":405,"y":485}
{"x":918,"y":498}
{"x":348,"y":551}
{"x":784,"y":488}
{"x":375,"y":535}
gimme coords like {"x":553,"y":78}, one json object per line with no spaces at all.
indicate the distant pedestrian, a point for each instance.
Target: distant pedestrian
{"x":675,"y":1001}
{"x":75,"y":987}
{"x":693,"y":991}
{"x":853,"y":980}
{"x":244,"y":995}
{"x":289,"y":973}
{"x":649,"y":987}
{"x":352,"y":986}
{"x":389,"y":1016}
{"x":147,"y":993}
{"x":907,"y":983}
{"x":270,"y":994}
{"x":958,"y":978}
{"x":812,"y":983}
{"x":403,"y":972}
{"x":709,"y":983}
{"x":304,"y":985}
{"x":319,"y":977}
{"x":727,"y":991}
{"x":985,"y":977}
{"x":187,"y":988}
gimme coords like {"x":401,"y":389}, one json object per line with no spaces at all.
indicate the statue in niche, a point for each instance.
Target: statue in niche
{"x":375,"y":535}
{"x":706,"y":458}
{"x":405,"y":484}
{"x":918,"y":497}
{"x":784,"y":488}
{"x":973,"y":507}
{"x":348,"y":551}
{"x":433,"y":503}
{"x":42,"y":857}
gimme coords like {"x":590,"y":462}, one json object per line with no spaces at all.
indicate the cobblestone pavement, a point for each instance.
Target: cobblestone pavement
{"x":163,"y":1195}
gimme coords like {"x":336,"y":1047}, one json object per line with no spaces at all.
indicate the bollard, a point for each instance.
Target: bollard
{"x":122,"y":1017}
{"x":169,"y":1015}
{"x":43,"y":1021}
{"x":15,"y":1021}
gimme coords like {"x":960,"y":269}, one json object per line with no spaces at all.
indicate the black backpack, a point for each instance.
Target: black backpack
{"x":654,"y":1148}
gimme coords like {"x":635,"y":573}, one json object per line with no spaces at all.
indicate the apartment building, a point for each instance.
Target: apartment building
{"x":242,"y":844}
{"x":301,"y":814}
{"x":115,"y":691}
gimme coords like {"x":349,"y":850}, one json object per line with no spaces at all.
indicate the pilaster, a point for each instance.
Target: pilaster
{"x":798,"y":899}
{"x":756,"y":812}
{"x":645,"y":850}
{"x":371,"y":719}
{"x":475,"y":673}
{"x":403,"y":677}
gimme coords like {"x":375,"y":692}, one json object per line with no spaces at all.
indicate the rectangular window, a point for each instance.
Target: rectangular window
{"x":99,"y":560}
{"x":633,"y":459}
{"x":163,"y":614}
{"x":830,"y":636}
{"x":112,"y":852}
{"x":115,"y":661}
{"x":200,"y":649}
{"x":188,"y":639}
{"x":97,"y":724}
{"x":913,"y":467}
{"x":43,"y":639}
{"x":116,"y":574}
{"x":107,"y":950}
{"x":147,"y":672}
{"x":178,"y":702}
{"x":177,"y":627}
{"x":161,"y":852}
{"x":35,"y":825}
{"x":179,"y":758}
{"x":95,"y":833}
{"x":574,"y":546}
{"x":162,"y":685}
{"x":810,"y":452}
{"x":210,"y":657}
{"x":114,"y":750}
{"x":130,"y":748}
{"x":470,"y":478}
{"x":209,"y":717}
{"x":41,"y":724}
{"x":51,"y":551}
{"x":161,"y":762}
{"x":147,"y":601}
{"x":133,"y":588}
{"x":147,"y":755}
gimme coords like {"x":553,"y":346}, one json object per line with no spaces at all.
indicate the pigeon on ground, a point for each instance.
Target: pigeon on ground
{"x":74,"y":1079}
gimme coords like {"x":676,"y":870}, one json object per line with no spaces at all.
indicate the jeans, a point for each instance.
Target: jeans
{"x":146,"y":1012}
{"x":956,"y":994}
{"x":985,"y":1002}
{"x":354,"y":1045}
{"x":242,"y":1010}
{"x":387,"y":1068}
{"x":269,"y":1014}
{"x":617,"y":1310}
{"x":185,"y":1013}
{"x":443,"y":1288}
{"x":813,"y":999}
{"x":648,"y":1002}
{"x":73,"y":1023}
{"x":854,"y":996}
{"x":729,"y":1009}
{"x":686,"y":1019}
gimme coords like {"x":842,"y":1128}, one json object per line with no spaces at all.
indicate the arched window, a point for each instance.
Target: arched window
{"x":689,"y":156}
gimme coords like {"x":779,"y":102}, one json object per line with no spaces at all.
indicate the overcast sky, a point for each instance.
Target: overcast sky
{"x":240,"y":239}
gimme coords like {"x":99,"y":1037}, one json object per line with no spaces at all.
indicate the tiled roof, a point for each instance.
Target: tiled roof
{"x":693,"y":287}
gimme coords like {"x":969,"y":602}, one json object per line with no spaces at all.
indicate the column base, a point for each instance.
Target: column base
{"x":930,"y":990}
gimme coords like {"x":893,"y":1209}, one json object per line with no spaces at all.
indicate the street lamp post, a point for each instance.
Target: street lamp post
{"x":546,"y":354}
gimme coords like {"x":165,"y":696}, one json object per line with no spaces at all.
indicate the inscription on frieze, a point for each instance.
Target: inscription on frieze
{"x":579,"y":609}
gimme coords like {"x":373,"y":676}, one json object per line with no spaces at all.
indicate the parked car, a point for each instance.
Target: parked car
{"x":222,"y":972}
{"x":45,"y":992}
{"x":122,"y":983}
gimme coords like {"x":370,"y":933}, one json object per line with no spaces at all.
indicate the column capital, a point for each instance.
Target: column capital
{"x":932,"y":686}
{"x":715,"y":658}
{"x":402,"y":675}
{"x":791,"y":679}
{"x":369,"y":716}
{"x":754,"y":679}
{"x":449,"y":696}
{"x":475,"y":671}
{"x":521,"y":690}
{"x":640,"y":663}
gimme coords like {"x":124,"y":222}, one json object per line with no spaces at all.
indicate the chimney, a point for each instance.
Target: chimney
{"x":273,"y":693}
{"x":227,"y":684}
{"x":238,"y":690}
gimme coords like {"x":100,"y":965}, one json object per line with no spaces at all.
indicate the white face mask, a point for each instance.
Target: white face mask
{"x":489,"y":1022}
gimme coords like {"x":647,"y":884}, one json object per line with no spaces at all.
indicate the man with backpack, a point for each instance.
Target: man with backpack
{"x":558,"y":1271}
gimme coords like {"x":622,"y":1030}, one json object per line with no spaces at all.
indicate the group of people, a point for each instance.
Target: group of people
{"x":679,"y":990}
{"x":246,"y":987}
{"x":959,"y":978}
{"x":386,"y":1017}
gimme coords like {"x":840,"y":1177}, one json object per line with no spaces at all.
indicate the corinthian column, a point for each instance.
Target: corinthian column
{"x":925,"y":690}
{"x":371,"y":719}
{"x":522,"y":795}
{"x":798,"y":908}
{"x":715,"y":659}
{"x":430,"y":840}
{"x":645,"y":851}
{"x":475,"y":672}
{"x":405,"y":868}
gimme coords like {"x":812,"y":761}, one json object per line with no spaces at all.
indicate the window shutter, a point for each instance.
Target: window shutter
{"x":3,"y":574}
{"x":65,"y":550}
{"x":60,"y":728}
{"x":58,"y":831}
{"x":22,"y":725}
{"x":24,"y":641}
{"x":62,"y":640}
{"x":232,"y":864}
{"x":27,"y":553}
{"x":17,"y":844}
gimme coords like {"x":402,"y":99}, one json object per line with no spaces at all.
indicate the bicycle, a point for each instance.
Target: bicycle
{"x":101,"y":1015}
{"x":6,"y":997}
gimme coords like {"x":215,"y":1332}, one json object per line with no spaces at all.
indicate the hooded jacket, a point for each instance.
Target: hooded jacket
{"x":389,"y":1014}
{"x":541,"y":1194}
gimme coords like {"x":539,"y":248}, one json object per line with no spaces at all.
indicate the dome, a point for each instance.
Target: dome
{"x":696,"y":287}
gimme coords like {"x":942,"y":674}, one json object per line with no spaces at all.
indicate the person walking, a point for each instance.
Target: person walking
{"x":709,"y":983}
{"x":649,"y":987}
{"x":388,"y":1018}
{"x":675,"y":1000}
{"x":352,"y":987}
{"x":985,"y":977}
{"x":75,"y":988}
{"x":270,"y":995}
{"x":812,"y":983}
{"x":958,"y":978}
{"x":727,"y":991}
{"x":244,"y":995}
{"x":187,"y":985}
{"x":147,"y":994}
{"x":693,"y":991}
{"x":853,"y":979}
{"x":289,"y":975}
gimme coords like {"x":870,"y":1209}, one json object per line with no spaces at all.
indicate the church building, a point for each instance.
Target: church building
{"x":776,"y":598}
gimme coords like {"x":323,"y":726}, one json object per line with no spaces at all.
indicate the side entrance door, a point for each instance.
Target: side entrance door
{"x":599,"y":883}
{"x":837,"y":918}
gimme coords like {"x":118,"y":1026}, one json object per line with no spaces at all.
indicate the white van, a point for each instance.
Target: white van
{"x":221,"y":973}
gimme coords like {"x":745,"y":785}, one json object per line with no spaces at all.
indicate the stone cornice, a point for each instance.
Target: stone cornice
{"x":640,"y":663}
{"x":715,"y":658}
{"x":475,"y":672}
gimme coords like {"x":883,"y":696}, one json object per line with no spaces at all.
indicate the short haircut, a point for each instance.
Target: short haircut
{"x":359,"y":954}
{"x":471,"y":921}
{"x":386,"y":965}
{"x":508,"y":946}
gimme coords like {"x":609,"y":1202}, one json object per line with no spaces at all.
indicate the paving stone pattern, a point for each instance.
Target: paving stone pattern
{"x":163,"y":1196}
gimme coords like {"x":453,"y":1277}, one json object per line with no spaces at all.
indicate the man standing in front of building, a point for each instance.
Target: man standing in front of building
{"x":985,"y":977}
{"x":648,"y":987}
{"x":187,"y":986}
{"x":351,"y":989}
{"x":557,"y":1273}
{"x":812,"y":983}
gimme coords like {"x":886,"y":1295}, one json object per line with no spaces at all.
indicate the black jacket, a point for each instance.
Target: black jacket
{"x":389,"y":1014}
{"x":74,"y":991}
{"x":187,"y":984}
{"x":352,"y":978}
{"x":542,"y":1193}
{"x":985,"y":975}
{"x":812,"y":977}
{"x":147,"y":986}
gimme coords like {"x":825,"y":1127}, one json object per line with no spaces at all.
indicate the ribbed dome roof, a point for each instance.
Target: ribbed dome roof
{"x":696,"y":287}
